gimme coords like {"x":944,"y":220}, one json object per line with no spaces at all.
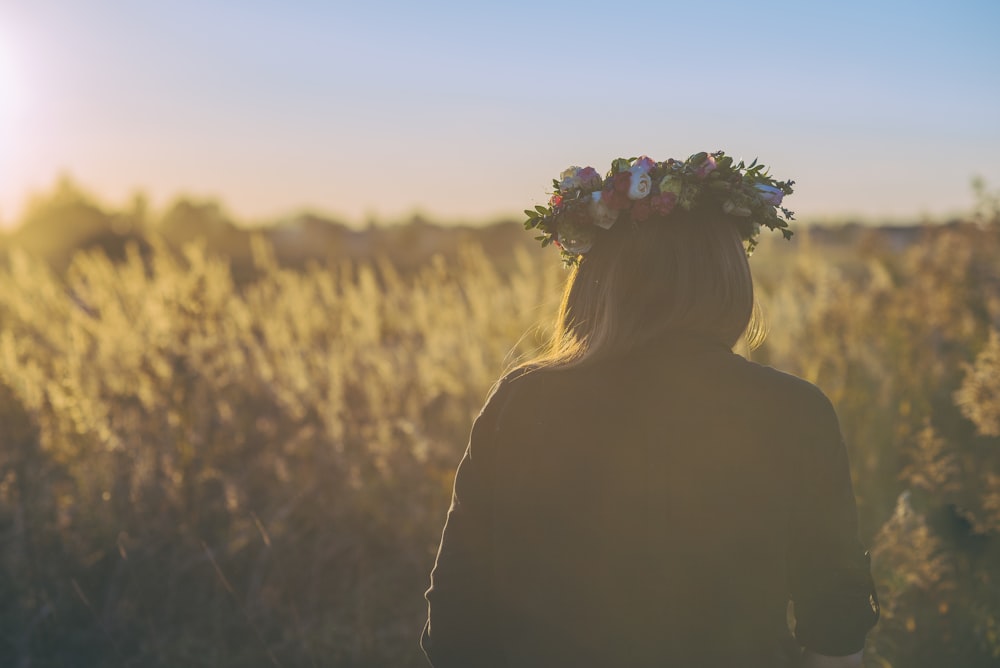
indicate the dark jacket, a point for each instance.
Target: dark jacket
{"x":659,"y":509}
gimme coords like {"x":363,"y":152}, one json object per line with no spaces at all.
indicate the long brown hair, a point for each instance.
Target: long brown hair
{"x":685,"y":274}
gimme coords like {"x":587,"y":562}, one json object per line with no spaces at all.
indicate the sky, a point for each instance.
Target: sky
{"x":466,"y":111}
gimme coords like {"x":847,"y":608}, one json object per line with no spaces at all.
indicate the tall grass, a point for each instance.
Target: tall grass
{"x":199,"y":473}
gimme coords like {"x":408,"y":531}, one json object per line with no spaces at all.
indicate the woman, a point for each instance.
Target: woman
{"x":642,"y":496}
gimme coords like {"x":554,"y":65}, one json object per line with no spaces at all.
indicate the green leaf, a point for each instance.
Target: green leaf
{"x":620,"y":165}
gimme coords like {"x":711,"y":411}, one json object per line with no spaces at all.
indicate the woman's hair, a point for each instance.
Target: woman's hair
{"x":684,"y":275}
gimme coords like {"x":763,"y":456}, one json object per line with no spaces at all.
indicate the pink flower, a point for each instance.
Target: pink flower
{"x":579,"y":178}
{"x":705,"y":168}
{"x":645,"y":164}
{"x":589,"y":178}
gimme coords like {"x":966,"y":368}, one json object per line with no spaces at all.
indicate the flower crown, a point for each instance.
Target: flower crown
{"x":642,"y":189}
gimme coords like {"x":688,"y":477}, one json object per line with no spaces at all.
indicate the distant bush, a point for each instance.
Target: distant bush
{"x":906,"y":344}
{"x":58,"y":224}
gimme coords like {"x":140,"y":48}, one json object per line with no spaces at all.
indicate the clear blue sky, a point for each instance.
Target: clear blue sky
{"x":466,"y":111}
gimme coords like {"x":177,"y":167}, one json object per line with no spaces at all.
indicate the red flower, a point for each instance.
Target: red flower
{"x":555,"y":201}
{"x":622,"y":181}
{"x":706,"y":167}
{"x":616,"y":191}
{"x":664,"y":203}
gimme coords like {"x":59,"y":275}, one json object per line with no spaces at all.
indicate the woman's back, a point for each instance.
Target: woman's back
{"x":654,"y":509}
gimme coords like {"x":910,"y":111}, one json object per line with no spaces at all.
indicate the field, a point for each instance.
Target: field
{"x":225,"y":453}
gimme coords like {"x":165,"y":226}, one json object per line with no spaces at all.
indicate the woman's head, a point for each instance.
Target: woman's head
{"x":658,"y":248}
{"x":684,"y":274}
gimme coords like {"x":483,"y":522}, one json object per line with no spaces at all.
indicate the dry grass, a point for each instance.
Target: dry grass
{"x":199,"y":473}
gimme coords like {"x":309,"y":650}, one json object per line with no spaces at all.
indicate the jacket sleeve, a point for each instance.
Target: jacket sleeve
{"x":829,"y":569}
{"x":461,"y":607}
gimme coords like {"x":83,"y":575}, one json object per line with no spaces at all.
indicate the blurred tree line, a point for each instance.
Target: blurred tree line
{"x":57,"y":224}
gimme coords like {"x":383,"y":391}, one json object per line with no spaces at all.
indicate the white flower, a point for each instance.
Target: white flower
{"x":569,"y":179}
{"x":769,"y":194}
{"x":603,"y":216}
{"x":641,"y":184}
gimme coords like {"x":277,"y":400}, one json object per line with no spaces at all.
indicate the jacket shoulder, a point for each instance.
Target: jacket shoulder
{"x":501,"y":393}
{"x":794,"y":395}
